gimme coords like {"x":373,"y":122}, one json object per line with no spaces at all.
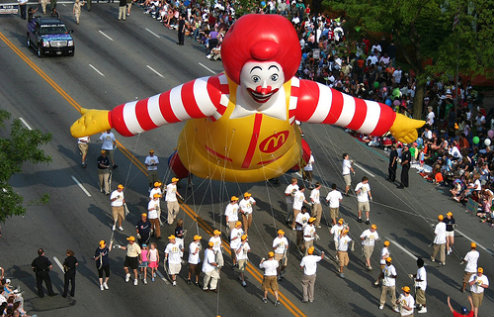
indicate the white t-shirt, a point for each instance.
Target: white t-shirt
{"x":406,"y":301}
{"x":209,"y":258}
{"x":246,"y":205}
{"x":108,"y":139}
{"x":193,"y":247}
{"x":384,"y":255}
{"x":231,"y":211}
{"x":334,"y":198}
{"x":270,"y":267}
{"x":153,"y":206}
{"x":309,"y":233}
{"x":152,"y":162}
{"x":154,"y":191}
{"x":369,"y":237}
{"x":336,"y":231}
{"x":174,"y":253}
{"x":440,"y":232}
{"x":298,"y":200}
{"x":217,"y":243}
{"x":363,"y":195}
{"x":309,"y":166}
{"x":84,"y":139}
{"x":236,"y":233}
{"x":244,"y":249}
{"x":119,"y":201}
{"x":280,"y":245}
{"x":347,"y":164}
{"x":430,"y":118}
{"x":471,"y":258}
{"x":289,"y":191}
{"x":301,"y":220}
{"x":314,"y":196}
{"x":421,"y":275}
{"x":388,"y":272}
{"x":309,"y":263}
{"x":171,"y":192}
{"x":343,"y":242}
{"x":397,"y":75}
{"x":476,"y":288}
{"x":153,"y":255}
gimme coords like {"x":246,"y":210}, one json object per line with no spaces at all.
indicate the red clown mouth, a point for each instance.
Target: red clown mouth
{"x":260,"y":97}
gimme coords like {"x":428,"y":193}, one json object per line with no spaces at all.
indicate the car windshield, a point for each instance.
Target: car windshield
{"x":52,"y":29}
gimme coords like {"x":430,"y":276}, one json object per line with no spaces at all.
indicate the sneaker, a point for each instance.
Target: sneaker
{"x":189,"y":282}
{"x":367,"y":222}
{"x":265,"y":300}
{"x":127,"y":277}
{"x":174,"y":283}
{"x":396,"y":309}
{"x":113,"y":228}
{"x":120,"y":228}
{"x":423,"y":310}
{"x":101,"y":287}
{"x":381,"y":307}
{"x":277,"y":303}
{"x":318,"y":227}
{"x":154,"y":274}
{"x":135,"y":282}
{"x":369,"y":268}
{"x":152,"y":279}
{"x":376,"y":283}
{"x":433,"y":260}
{"x":145,"y":281}
{"x":359,"y":220}
{"x":105,"y":285}
{"x":342,"y":275}
{"x":244,"y":284}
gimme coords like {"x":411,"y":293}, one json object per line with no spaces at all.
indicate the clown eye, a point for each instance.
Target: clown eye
{"x":256,"y":78}
{"x":275,"y":77}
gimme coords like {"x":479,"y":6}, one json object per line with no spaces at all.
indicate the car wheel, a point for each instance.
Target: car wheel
{"x":39,"y":52}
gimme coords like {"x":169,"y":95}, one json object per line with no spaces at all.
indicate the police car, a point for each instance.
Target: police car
{"x":49,"y":36}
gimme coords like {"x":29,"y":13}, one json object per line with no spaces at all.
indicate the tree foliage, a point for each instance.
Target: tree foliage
{"x":17,"y":145}
{"x":434,"y":37}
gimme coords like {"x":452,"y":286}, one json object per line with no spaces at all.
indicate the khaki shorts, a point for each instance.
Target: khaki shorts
{"x":270,"y":283}
{"x":368,"y":249}
{"x":83,"y":148}
{"x":466,"y":276}
{"x":420,"y":296}
{"x":477,"y":299}
{"x":343,"y":258}
{"x":242,"y":264}
{"x":174,"y":268}
{"x":117,"y":212}
{"x":282,"y":258}
{"x":348,"y":179}
{"x":364,"y":206}
{"x":334,"y":213}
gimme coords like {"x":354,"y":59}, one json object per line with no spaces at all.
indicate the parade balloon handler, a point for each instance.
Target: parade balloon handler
{"x":252,"y":106}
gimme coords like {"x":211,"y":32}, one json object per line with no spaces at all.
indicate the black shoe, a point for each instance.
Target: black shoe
{"x":213,"y":290}
{"x":41,"y":295}
{"x":189,"y":282}
{"x":115,"y":165}
{"x":359,"y":220}
{"x":367,"y":222}
{"x":400,"y":187}
{"x":64,"y":295}
{"x":53,"y":294}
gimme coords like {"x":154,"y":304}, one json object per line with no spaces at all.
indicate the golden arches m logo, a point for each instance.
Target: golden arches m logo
{"x":274,"y":142}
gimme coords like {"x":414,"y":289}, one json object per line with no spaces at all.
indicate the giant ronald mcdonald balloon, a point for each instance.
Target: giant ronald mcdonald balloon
{"x":240,"y":124}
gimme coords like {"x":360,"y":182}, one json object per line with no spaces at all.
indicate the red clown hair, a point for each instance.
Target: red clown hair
{"x":260,"y":38}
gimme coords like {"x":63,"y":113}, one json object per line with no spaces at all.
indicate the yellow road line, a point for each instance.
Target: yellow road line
{"x":186,"y":208}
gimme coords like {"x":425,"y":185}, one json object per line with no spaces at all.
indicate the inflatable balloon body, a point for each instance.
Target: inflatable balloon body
{"x":241,"y":123}
{"x":476,"y":140}
{"x":487,"y":142}
{"x":490,"y":134}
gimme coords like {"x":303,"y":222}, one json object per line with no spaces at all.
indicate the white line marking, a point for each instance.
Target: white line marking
{"x":80,"y":186}
{"x":96,"y":70}
{"x":207,"y":68}
{"x":102,"y":33}
{"x":358,"y":165}
{"x":64,"y":4}
{"x":298,"y":174}
{"x":478,"y":244}
{"x":402,"y":248}
{"x":162,"y":277}
{"x":58,"y":263}
{"x":25,"y":123}
{"x":156,"y":72}
{"x":156,"y":35}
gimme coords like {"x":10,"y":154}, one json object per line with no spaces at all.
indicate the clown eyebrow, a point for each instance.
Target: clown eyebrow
{"x":274,"y":67}
{"x":255,"y":68}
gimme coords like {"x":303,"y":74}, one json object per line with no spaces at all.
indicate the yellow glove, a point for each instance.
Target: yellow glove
{"x":405,"y":129}
{"x":92,"y":121}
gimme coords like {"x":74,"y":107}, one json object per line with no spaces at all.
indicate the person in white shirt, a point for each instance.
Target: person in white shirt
{"x":382,"y":262}
{"x":309,"y":265}
{"x":471,"y":258}
{"x":389,"y":283}
{"x":289,"y":192}
{"x":109,"y":145}
{"x":316,"y":204}
{"x":153,"y":217}
{"x":307,"y":171}
{"x":363,"y":192}
{"x":439,"y":241}
{"x":246,"y":208}
{"x":334,"y":199}
{"x":269,"y":281}
{"x":231,"y":214}
{"x":172,"y":201}
{"x":117,"y":207}
{"x":309,"y":233}
{"x":300,"y":222}
{"x":210,"y":269}
{"x":157,"y":190}
{"x":343,"y":244}
{"x":346,"y":170}
{"x":194,"y":260}
{"x":369,"y":237}
{"x":151,"y":163}
{"x":420,"y":286}
{"x":280,"y":247}
{"x":216,"y":240}
{"x":241,"y":254}
{"x":406,"y":302}
{"x":478,"y":283}
{"x":372,"y":59}
{"x":336,"y":232}
{"x":397,"y":74}
{"x":298,"y":202}
{"x":430,"y":116}
{"x":235,"y":240}
{"x":83,"y":144}
{"x":174,"y":253}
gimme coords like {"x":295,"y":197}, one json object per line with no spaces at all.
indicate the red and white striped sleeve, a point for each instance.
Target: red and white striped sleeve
{"x":200,"y":98}
{"x":317,"y":103}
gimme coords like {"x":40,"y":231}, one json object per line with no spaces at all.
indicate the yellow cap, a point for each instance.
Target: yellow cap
{"x":210,"y":243}
{"x":120,"y":186}
{"x":103,"y":152}
{"x":244,"y":237}
{"x":449,"y":214}
{"x":281,"y":231}
{"x":312,"y":219}
{"x":234,"y":198}
{"x":270,"y":254}
{"x":171,"y":237}
{"x":157,"y":184}
{"x":386,"y":243}
{"x":156,"y":195}
{"x":174,"y":179}
{"x":216,"y":231}
{"x":406,"y":289}
{"x":480,"y":270}
{"x":238,"y":223}
{"x":151,"y":151}
{"x":473,"y":245}
{"x":310,"y":250}
{"x":373,"y":226}
{"x":340,"y":221}
{"x":131,"y":238}
{"x":102,"y":243}
{"x":345,"y":231}
{"x":440,"y":217}
{"x":247,"y":194}
{"x":197,"y":237}
{"x":389,"y":259}
{"x":144,"y":214}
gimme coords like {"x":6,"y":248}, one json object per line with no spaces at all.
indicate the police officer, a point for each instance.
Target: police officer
{"x":69,"y":267}
{"x":42,"y":266}
{"x":406,"y":157}
{"x":393,"y":163}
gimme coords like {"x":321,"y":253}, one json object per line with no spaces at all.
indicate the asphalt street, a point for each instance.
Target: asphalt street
{"x":116,"y":62}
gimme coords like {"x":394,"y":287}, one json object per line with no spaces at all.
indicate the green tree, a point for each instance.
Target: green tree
{"x":434,"y":37}
{"x":17,"y":145}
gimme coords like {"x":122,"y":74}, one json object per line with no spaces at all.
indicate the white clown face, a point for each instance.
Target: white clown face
{"x":262,"y":80}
